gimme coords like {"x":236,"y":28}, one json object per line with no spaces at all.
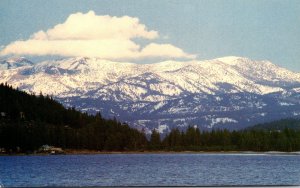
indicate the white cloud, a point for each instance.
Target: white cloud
{"x":164,"y":50}
{"x":106,"y":48}
{"x":92,"y":27}
{"x":92,"y":35}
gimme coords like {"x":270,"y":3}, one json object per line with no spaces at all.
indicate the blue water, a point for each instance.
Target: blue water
{"x":149,"y":170}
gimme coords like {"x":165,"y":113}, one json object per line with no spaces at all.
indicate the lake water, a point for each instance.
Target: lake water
{"x":150,"y":170}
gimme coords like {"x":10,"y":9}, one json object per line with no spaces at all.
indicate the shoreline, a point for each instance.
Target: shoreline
{"x":94,"y":152}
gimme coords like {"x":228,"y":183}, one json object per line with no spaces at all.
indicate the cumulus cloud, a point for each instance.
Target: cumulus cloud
{"x":94,"y":35}
{"x":164,"y":50}
{"x":92,"y":27}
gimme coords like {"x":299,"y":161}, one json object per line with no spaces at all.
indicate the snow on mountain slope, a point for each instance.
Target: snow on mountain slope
{"x":13,"y":63}
{"x":193,"y":92}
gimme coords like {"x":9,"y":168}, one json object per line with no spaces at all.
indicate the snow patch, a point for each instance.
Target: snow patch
{"x":215,"y":121}
{"x":296,"y":113}
{"x":285,"y":104}
{"x":263,"y":114}
{"x":161,"y":128}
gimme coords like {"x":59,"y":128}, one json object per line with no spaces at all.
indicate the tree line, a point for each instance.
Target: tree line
{"x":193,"y":139}
{"x":28,"y":121}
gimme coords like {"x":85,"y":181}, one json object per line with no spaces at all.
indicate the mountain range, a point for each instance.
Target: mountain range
{"x":229,"y":92}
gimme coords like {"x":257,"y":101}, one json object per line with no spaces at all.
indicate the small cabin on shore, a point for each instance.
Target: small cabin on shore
{"x":50,"y":150}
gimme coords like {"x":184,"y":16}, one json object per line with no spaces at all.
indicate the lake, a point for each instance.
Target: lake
{"x":150,"y":170}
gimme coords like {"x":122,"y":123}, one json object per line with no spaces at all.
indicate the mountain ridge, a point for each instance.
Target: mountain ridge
{"x":14,"y":62}
{"x":170,"y":90}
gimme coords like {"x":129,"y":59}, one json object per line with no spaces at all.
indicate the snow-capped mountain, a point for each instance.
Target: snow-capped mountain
{"x":231,"y":92}
{"x":13,"y":63}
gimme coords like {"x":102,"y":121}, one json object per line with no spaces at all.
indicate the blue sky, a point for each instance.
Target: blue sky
{"x":209,"y":29}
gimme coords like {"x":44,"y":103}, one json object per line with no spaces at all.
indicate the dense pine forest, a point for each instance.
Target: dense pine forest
{"x":28,"y":121}
{"x":222,"y":140}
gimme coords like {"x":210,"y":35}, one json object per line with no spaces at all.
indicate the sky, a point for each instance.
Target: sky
{"x":138,"y":30}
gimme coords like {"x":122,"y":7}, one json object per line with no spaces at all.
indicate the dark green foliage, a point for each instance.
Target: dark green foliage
{"x":223,"y":140}
{"x":278,"y":125}
{"x":28,"y":122}
{"x":155,"y":143}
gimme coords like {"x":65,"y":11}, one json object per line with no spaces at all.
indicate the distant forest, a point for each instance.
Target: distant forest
{"x":28,"y":121}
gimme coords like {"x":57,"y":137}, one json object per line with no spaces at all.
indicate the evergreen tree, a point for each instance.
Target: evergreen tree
{"x":155,"y":142}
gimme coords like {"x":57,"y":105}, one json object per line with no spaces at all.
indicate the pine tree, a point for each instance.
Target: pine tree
{"x":155,"y":142}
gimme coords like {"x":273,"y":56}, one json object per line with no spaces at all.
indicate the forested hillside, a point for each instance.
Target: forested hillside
{"x":278,"y":125}
{"x":28,"y":121}
{"x":223,"y":140}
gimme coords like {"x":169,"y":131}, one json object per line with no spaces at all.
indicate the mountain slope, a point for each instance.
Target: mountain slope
{"x":27,"y":122}
{"x":13,"y":63}
{"x":231,"y":92}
